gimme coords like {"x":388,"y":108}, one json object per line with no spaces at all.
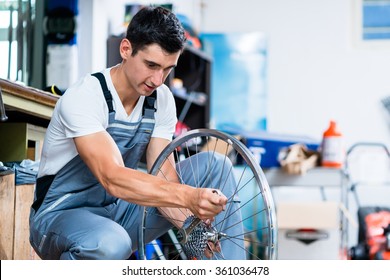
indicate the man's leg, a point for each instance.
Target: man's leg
{"x":129,"y":216}
{"x":81,"y":234}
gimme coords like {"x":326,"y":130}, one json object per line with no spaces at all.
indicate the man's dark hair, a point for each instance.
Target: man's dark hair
{"x":156,"y":25}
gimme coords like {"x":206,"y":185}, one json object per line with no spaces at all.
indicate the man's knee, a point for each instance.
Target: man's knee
{"x":116,"y":248}
{"x":106,"y":245}
{"x":216,"y":160}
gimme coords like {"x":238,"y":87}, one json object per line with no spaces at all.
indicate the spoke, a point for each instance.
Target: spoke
{"x":251,"y":241}
{"x":223,"y":186}
{"x":248,"y":251}
{"x":239,"y":208}
{"x":192,"y":166}
{"x":248,"y":232}
{"x":246,"y":218}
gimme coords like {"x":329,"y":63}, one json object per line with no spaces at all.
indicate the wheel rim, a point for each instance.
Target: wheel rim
{"x":255,"y":199}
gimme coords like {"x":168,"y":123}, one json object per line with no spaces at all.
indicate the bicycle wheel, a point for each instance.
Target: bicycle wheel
{"x":251,"y":198}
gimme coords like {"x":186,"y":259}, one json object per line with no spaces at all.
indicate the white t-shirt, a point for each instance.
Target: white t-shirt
{"x":83,"y":110}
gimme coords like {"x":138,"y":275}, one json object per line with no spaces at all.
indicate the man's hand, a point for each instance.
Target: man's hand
{"x":207,"y":203}
{"x":212,"y":248}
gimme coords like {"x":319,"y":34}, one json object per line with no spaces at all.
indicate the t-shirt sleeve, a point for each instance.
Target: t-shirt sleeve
{"x":82,"y":111}
{"x":166,"y":118}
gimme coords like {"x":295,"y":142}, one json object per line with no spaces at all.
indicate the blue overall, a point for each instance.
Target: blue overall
{"x":73,"y":217}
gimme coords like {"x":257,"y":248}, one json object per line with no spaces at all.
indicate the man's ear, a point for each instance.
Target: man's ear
{"x":125,"y":49}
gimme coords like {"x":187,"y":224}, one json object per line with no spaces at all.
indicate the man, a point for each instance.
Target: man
{"x":89,"y":193}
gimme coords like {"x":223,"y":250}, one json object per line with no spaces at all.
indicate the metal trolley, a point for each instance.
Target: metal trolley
{"x":367,"y":169}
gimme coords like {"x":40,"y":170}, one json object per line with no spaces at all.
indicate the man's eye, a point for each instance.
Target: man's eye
{"x":151,"y":65}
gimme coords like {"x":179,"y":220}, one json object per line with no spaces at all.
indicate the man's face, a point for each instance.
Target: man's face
{"x":149,"y":68}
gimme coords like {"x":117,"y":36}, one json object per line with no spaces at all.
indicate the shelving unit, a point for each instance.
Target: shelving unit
{"x":194,"y":69}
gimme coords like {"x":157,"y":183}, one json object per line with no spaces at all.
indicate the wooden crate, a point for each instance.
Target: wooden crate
{"x":23,"y":141}
{"x":15,"y":203}
{"x":7,"y":216}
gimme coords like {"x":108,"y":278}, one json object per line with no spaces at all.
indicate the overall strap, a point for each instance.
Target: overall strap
{"x":148,"y":107}
{"x":106,"y":91}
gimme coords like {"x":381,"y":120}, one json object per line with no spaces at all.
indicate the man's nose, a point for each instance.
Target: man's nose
{"x":158,"y":78}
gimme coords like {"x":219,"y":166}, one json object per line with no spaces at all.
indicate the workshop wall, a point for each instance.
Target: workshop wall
{"x":316,"y":69}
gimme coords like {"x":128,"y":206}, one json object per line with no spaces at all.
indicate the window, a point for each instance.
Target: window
{"x":8,"y":45}
{"x":376,"y":19}
{"x":370,"y":24}
{"x":13,"y":56}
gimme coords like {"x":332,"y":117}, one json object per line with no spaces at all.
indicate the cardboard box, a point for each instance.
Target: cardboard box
{"x":266,"y":146}
{"x":308,"y":230}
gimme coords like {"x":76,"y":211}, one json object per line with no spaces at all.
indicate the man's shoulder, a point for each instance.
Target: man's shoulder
{"x":164,"y":89}
{"x":164,"y":94}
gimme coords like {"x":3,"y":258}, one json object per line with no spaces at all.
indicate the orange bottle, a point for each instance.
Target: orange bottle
{"x":332,"y":151}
